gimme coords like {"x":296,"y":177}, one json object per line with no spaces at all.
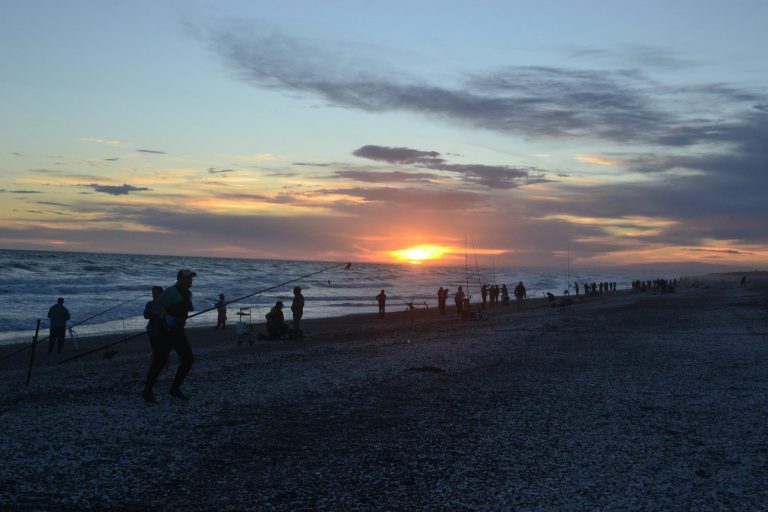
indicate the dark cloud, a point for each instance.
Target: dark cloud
{"x":620,"y":105}
{"x":491,"y":176}
{"x":112,"y":159}
{"x":21,"y":191}
{"x":51,"y":203}
{"x":116,"y":190}
{"x":311,"y":164}
{"x":396,"y":155}
{"x":150,"y":151}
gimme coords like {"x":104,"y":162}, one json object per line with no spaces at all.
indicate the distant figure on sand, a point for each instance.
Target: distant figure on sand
{"x":171,"y":308}
{"x":459,"y":300}
{"x":276,"y":326}
{"x":154,"y":321}
{"x":743,"y":281}
{"x":221,"y":308}
{"x":297,"y":309}
{"x":59,"y":316}
{"x":519,"y":293}
{"x":442,"y":298}
{"x":381,"y":298}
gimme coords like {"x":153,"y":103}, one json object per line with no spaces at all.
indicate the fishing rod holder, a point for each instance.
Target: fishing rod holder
{"x":244,"y":329}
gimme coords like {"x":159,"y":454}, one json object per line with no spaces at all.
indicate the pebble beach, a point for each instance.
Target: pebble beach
{"x":630,"y":401}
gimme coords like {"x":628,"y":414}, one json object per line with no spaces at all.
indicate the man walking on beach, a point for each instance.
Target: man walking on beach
{"x":59,"y":316}
{"x":172,"y":307}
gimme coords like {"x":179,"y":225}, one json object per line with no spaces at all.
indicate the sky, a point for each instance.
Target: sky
{"x":529,"y":133}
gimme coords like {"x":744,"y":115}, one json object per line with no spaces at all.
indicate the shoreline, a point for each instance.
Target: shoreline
{"x":630,"y":401}
{"x":317,"y":329}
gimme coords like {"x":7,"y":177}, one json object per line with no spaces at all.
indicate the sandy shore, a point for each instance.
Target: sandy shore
{"x":635,"y":401}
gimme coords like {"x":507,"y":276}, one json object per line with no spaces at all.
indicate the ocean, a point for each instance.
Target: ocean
{"x":106,"y":293}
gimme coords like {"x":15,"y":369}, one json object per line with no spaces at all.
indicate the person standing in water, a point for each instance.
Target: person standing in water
{"x":172,"y":308}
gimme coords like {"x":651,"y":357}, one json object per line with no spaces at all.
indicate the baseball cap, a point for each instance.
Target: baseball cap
{"x":185,"y":273}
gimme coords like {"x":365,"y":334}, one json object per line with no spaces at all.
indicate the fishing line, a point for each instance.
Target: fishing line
{"x":26,"y":347}
{"x":78,"y":356}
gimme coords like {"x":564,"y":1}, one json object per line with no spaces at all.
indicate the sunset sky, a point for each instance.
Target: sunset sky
{"x":623,"y":132}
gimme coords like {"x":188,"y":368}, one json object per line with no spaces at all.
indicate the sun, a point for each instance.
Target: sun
{"x":420,"y":253}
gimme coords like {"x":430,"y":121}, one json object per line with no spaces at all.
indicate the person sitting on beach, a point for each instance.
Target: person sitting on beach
{"x":459,"y":300}
{"x":172,"y":307}
{"x":59,"y":316}
{"x":381,"y":298}
{"x":221,"y":309}
{"x":276,"y":326}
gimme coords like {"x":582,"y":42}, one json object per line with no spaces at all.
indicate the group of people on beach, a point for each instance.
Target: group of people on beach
{"x":169,"y":309}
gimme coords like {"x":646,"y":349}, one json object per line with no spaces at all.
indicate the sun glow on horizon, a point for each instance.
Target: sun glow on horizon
{"x":419,"y":254}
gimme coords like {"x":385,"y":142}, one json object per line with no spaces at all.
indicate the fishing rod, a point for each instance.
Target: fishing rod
{"x":477,"y":267}
{"x":97,"y":349}
{"x":26,"y":347}
{"x":411,"y":304}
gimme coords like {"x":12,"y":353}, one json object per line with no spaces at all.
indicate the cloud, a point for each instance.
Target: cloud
{"x":150,"y":151}
{"x":386,"y":177}
{"x":615,"y":105}
{"x":21,"y":191}
{"x":396,"y":155}
{"x":491,"y":176}
{"x":102,"y":141}
{"x":116,"y":190}
{"x":212,"y":170}
{"x":52,"y":203}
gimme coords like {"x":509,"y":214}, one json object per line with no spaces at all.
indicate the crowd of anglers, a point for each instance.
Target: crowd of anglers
{"x":168,"y":311}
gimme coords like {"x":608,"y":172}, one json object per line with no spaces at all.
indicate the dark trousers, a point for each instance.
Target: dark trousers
{"x":162,"y":345}
{"x":57,"y":335}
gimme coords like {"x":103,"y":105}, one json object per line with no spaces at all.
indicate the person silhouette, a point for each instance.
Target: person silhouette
{"x":381,"y":298}
{"x":58,"y":328}
{"x":297,"y":309}
{"x":172,"y":307}
{"x":221,"y":309}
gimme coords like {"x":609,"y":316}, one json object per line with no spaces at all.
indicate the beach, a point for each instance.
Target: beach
{"x":631,"y":401}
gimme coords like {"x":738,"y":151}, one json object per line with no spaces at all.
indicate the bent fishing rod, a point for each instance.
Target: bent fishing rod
{"x":81,"y":322}
{"x":97,"y":349}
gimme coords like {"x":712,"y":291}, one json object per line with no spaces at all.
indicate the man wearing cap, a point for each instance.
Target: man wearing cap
{"x":172,"y":306}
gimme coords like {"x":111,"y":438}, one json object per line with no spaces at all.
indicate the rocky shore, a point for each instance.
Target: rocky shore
{"x":633,"y":401}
